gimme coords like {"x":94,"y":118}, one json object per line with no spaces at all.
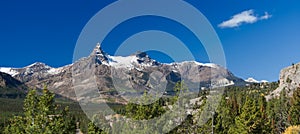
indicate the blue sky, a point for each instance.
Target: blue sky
{"x":47,"y":31}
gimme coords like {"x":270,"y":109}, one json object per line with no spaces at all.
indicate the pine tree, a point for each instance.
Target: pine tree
{"x":141,"y":112}
{"x":93,"y":129}
{"x":41,"y":116}
{"x":281,"y":109}
{"x":294,"y":112}
{"x":225,"y":115}
{"x":249,"y":121}
{"x":271,"y":115}
{"x":265,"y":124}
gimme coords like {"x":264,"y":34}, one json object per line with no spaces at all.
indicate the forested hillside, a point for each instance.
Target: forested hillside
{"x":245,"y":110}
{"x":241,"y":110}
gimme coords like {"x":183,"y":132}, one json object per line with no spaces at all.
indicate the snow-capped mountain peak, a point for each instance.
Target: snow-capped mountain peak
{"x":252,"y":80}
{"x":137,"y":67}
{"x":100,"y":56}
{"x":139,"y":58}
{"x":37,"y":64}
{"x":35,"y":68}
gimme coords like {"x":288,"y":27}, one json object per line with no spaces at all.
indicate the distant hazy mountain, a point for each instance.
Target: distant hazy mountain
{"x":131,"y":72}
{"x":252,"y":80}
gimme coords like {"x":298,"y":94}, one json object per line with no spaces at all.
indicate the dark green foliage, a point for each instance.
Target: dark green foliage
{"x":93,"y":129}
{"x":141,"y":112}
{"x":14,"y":107}
{"x":41,"y":115}
{"x":294,"y":111}
{"x":225,"y":114}
{"x":12,"y":93}
{"x":278,"y":113}
{"x":251,"y":118}
{"x":241,"y":110}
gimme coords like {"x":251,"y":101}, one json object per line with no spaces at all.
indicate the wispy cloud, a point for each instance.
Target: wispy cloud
{"x":245,"y":17}
{"x":266,"y":16}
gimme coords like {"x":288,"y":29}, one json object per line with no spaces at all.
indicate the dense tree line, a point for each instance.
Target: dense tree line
{"x":242,"y":110}
{"x":245,"y":110}
{"x":41,"y":116}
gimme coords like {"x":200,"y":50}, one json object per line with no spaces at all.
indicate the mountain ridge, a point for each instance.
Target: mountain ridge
{"x":138,"y":67}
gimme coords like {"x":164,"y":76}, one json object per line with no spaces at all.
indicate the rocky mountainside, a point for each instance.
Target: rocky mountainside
{"x":134,"y":73}
{"x":11,"y":87}
{"x":289,"y":80}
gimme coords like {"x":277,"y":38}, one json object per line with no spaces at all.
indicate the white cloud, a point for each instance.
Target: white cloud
{"x":245,"y":17}
{"x":266,"y":16}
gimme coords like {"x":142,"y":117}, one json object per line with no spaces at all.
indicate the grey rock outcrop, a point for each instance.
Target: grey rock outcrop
{"x":289,"y":81}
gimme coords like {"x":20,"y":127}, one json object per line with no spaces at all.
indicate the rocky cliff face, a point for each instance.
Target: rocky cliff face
{"x":289,"y":80}
{"x":135,"y":73}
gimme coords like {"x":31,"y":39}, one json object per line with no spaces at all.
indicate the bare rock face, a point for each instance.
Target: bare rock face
{"x":116,"y":76}
{"x":289,"y":80}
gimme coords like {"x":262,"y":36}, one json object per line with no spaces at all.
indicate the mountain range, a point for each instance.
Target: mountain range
{"x":106,"y":73}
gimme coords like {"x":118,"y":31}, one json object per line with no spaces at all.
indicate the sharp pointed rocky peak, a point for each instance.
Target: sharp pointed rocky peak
{"x":98,"y":50}
{"x":99,"y":55}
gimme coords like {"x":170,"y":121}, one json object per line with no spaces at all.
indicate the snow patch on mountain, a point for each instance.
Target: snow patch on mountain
{"x":206,"y":64}
{"x":252,"y":80}
{"x":212,"y":65}
{"x":221,"y":83}
{"x":119,"y":61}
{"x":9,"y":71}
{"x":54,"y":71}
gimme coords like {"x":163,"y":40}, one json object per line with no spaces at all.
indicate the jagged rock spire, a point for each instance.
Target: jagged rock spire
{"x":98,"y":46}
{"x":98,"y":50}
{"x":100,"y":56}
